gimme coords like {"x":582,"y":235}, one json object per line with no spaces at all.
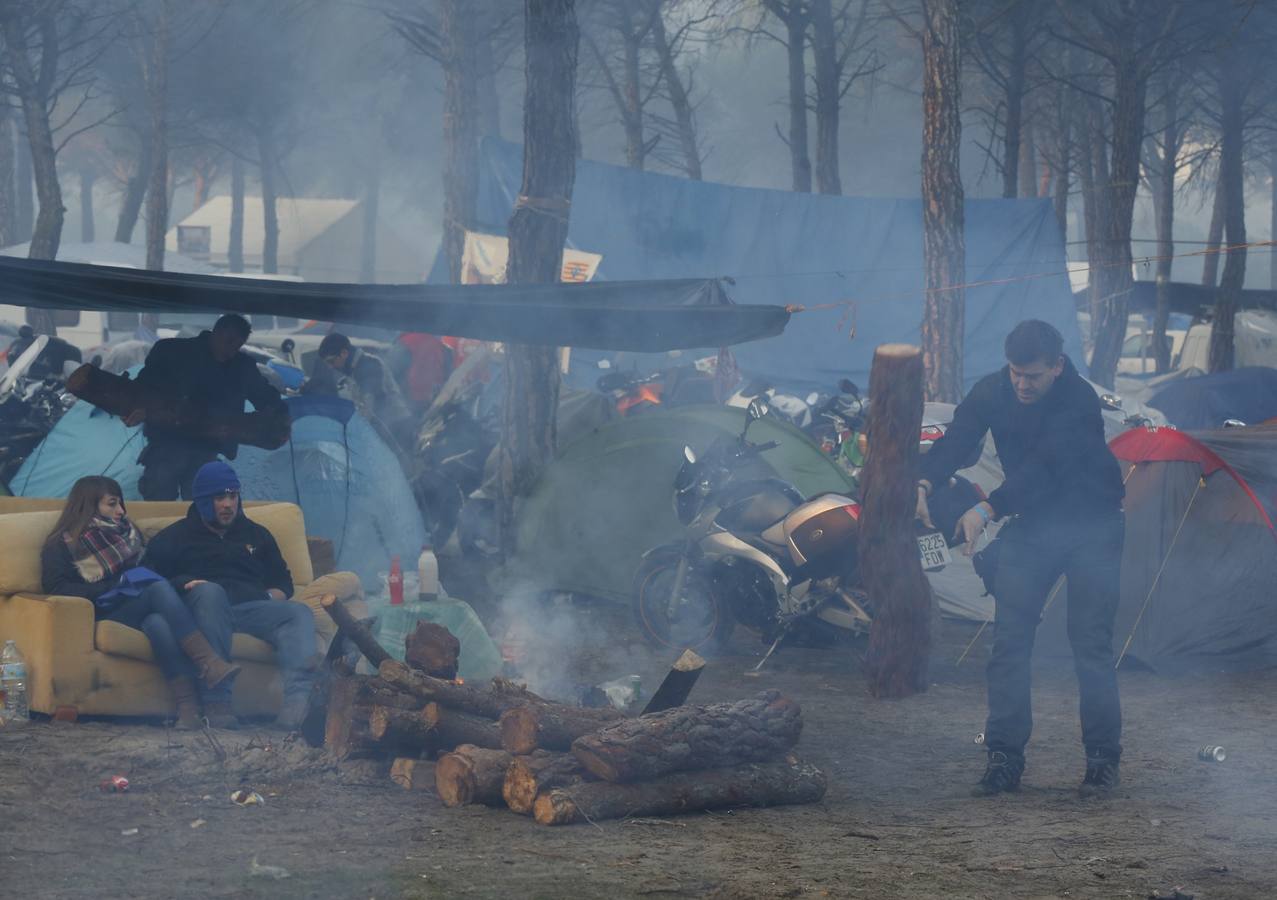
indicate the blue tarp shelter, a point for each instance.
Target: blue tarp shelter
{"x":1248,"y":394}
{"x":781,"y":247}
{"x":347,"y":481}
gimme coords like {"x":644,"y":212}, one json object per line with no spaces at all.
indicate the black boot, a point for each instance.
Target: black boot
{"x":1001,"y":775}
{"x":1102,"y":777}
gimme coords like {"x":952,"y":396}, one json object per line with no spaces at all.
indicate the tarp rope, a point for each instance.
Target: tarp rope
{"x":1201,"y":483}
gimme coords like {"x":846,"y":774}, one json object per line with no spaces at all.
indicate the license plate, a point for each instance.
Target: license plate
{"x":934,"y":551}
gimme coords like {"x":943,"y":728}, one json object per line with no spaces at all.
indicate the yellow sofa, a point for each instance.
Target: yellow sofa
{"x":104,"y":668}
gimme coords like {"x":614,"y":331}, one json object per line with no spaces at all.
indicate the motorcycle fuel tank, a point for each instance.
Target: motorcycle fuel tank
{"x":823,"y":526}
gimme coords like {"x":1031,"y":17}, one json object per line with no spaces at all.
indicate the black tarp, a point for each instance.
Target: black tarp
{"x":607,"y":315}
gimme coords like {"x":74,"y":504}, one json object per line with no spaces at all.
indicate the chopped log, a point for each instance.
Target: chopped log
{"x":530,"y":776}
{"x":900,"y":637}
{"x":487,"y":701}
{"x":452,"y":728}
{"x":412,"y":774}
{"x":550,"y":726}
{"x":403,"y":729}
{"x":432,"y":649}
{"x":471,"y":774}
{"x":372,"y":691}
{"x":751,"y":784}
{"x":356,"y":630}
{"x":692,"y":737}
{"x":678,"y":684}
{"x":346,"y":724}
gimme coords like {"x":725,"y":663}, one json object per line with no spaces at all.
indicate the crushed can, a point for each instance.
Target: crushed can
{"x":1212,"y":754}
{"x":979,"y":738}
{"x":116,"y":784}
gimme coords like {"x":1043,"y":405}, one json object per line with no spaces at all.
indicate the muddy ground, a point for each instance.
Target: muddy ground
{"x":897,"y":821}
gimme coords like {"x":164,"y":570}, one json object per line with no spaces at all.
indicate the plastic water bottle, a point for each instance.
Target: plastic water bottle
{"x":13,"y":685}
{"x":428,"y":574}
{"x":395,"y":582}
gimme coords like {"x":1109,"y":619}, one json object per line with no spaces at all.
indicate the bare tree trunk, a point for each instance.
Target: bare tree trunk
{"x":88,"y":233}
{"x":943,"y":238}
{"x":538,"y":229}
{"x":1272,"y":217}
{"x":134,"y":193}
{"x":684,"y":116}
{"x":24,"y":210}
{"x":631,"y":97}
{"x":460,"y":103}
{"x":824,"y":49}
{"x":1232,"y":186}
{"x":157,"y":192}
{"x":235,"y":242}
{"x":270,"y":215}
{"x":489,"y":99}
{"x":1015,"y":103}
{"x":372,"y":202}
{"x":1028,"y":186}
{"x":1164,"y":210}
{"x":1094,"y":176}
{"x":1215,"y":234}
{"x":800,"y":159}
{"x":1063,"y":166}
{"x":8,"y":199}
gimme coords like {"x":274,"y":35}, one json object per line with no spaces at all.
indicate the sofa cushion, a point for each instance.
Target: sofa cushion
{"x":120,"y":640}
{"x":22,"y":535}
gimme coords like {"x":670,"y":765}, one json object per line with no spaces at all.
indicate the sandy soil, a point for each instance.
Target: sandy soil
{"x":896,"y":822}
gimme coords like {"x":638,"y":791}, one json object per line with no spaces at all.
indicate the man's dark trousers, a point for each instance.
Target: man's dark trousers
{"x":169,"y":467}
{"x":1033,"y":555}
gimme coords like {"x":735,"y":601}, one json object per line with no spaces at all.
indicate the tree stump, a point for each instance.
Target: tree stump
{"x":692,"y":737}
{"x":432,"y":649}
{"x":471,"y":774}
{"x":756,"y":784}
{"x":891,"y":571}
{"x":550,"y":726}
{"x":530,"y":776}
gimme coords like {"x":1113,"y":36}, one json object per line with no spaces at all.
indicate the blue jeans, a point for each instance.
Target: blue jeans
{"x":160,"y":614}
{"x":287,"y":626}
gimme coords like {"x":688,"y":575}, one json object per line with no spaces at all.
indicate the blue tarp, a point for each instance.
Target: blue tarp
{"x":1248,"y":394}
{"x":347,"y":481}
{"x":788,"y":248}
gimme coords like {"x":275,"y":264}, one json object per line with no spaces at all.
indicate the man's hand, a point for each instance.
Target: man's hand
{"x":923,"y":511}
{"x":276,"y":594}
{"x":137,"y":417}
{"x":972,"y":525}
{"x":191,"y":585}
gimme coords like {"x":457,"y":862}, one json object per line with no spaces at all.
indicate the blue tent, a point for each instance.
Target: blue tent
{"x":781,"y":247}
{"x":347,"y":481}
{"x":1248,"y":394}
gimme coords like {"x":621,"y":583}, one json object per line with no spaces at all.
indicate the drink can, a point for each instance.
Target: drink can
{"x":115,"y":784}
{"x":1212,"y":754}
{"x":979,"y":738}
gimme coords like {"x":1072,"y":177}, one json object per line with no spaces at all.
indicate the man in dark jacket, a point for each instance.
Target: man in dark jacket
{"x":234,"y":578}
{"x":371,"y":387}
{"x":206,"y":375}
{"x":1063,"y":494}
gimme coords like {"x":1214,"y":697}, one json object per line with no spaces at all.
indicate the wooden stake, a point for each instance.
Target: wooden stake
{"x":678,"y":684}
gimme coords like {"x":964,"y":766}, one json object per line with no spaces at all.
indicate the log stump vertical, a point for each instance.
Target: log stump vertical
{"x":900,"y":638}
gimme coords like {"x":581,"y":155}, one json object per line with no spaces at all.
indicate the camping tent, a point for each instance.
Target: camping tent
{"x":347,"y":481}
{"x":1200,"y":559}
{"x":1248,"y":394}
{"x":862,"y":254}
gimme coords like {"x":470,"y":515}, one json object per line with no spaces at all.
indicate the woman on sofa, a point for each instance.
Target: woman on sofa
{"x":95,"y":552}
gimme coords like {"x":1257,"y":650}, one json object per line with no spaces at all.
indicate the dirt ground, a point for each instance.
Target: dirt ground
{"x":896,"y":822}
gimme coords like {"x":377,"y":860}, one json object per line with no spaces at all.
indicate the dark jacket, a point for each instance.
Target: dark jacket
{"x":245,"y":560}
{"x":60,"y":577}
{"x":183,"y":371}
{"x":1053,"y":453}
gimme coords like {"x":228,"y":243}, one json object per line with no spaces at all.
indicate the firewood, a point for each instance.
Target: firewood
{"x":488,"y":701}
{"x":403,"y":729}
{"x":529,"y":776}
{"x":692,"y":737}
{"x":346,"y":725}
{"x":372,"y":691}
{"x":550,"y":726}
{"x":471,"y":774}
{"x":900,"y":637}
{"x":432,"y":649}
{"x":412,"y":774}
{"x":750,"y":784}
{"x":678,"y":683}
{"x":452,"y":728}
{"x":357,"y":631}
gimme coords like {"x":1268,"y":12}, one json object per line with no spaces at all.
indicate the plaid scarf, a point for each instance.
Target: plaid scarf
{"x":106,"y":548}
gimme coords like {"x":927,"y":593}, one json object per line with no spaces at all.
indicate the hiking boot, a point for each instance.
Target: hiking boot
{"x":1102,"y":778}
{"x":212,"y":668}
{"x":187,"y":702}
{"x":219,"y":715}
{"x":1001,"y":775}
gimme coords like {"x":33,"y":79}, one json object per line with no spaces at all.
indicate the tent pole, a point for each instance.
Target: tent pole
{"x":1201,"y":482}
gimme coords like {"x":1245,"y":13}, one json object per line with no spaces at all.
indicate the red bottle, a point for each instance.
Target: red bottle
{"x":395,"y":582}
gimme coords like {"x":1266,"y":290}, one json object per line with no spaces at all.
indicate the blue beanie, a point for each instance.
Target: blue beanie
{"x":211,"y":480}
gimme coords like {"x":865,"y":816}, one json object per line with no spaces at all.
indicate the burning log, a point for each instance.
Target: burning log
{"x":357,"y":631}
{"x":412,"y":774}
{"x":678,"y":684}
{"x":432,"y":649}
{"x":550,"y":726}
{"x":489,"y":702}
{"x":530,"y":776}
{"x":692,"y":737}
{"x":471,"y":774}
{"x":757,"y":784}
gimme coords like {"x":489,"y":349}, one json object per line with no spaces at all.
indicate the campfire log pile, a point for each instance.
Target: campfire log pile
{"x":499,"y":744}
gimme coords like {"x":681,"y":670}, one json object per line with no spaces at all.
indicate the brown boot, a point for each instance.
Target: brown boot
{"x":219,"y":715}
{"x":187,"y":701}
{"x":213,"y":669}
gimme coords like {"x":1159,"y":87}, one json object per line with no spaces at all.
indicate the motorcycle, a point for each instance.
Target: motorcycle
{"x":29,"y":407}
{"x":453,"y":446}
{"x":756,"y":552}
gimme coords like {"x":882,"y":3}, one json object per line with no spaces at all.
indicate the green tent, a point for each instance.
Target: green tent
{"x":608,"y":497}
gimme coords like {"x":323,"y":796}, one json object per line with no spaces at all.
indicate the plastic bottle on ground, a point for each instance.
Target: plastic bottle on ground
{"x":13,"y":686}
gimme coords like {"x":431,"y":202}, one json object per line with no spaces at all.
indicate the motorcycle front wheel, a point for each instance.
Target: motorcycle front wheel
{"x":698,"y":619}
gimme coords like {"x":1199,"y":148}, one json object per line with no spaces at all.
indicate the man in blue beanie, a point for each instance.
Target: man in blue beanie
{"x":234,"y":578}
